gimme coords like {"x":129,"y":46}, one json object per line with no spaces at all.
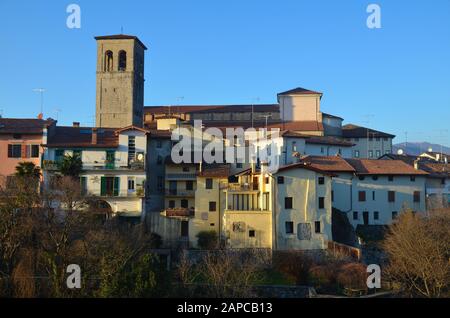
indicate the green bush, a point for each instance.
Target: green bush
{"x":207,"y":240}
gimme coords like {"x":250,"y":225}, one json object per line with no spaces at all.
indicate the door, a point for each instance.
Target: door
{"x":110,"y":158}
{"x":366,"y":218}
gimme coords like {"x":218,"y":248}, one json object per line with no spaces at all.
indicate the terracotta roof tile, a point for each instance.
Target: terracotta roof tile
{"x":330,"y":164}
{"x":81,"y":137}
{"x":23,"y":126}
{"x":383,"y":167}
{"x":354,"y":131}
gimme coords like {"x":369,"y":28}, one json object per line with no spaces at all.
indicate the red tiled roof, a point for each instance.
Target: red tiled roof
{"x":81,"y":137}
{"x":24,"y":126}
{"x":207,"y":108}
{"x":305,"y":165}
{"x":215,"y":171}
{"x":354,"y":131}
{"x":383,"y":167}
{"x":330,"y":164}
{"x":436,"y":170}
{"x":328,"y":140}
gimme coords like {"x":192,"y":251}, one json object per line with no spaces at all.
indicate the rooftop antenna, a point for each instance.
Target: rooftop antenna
{"x":368,"y":117}
{"x":57,"y":111}
{"x":41,"y":91}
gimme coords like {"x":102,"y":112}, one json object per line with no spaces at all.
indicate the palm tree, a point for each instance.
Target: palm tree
{"x":27,"y":169}
{"x":70,"y":165}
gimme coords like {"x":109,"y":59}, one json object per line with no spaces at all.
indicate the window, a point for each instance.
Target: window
{"x":378,"y":153}
{"x":209,"y":184}
{"x":391,"y":196}
{"x":184,"y":228}
{"x":14,"y":151}
{"x":289,"y":226}
{"x":122,"y":61}
{"x":288,"y":203}
{"x":212,"y":206}
{"x":356,"y":154}
{"x":370,"y":153}
{"x":394,"y":215}
{"x":355,"y":215}
{"x":158,"y":144}
{"x":239,"y":165}
{"x":130,"y":184}
{"x":322,"y":150}
{"x":362,"y":196}
{"x":390,"y":178}
{"x":321,"y":180}
{"x":374,"y":178}
{"x":321,"y":203}
{"x":376,"y":215}
{"x":108,"y":61}
{"x":267,"y":180}
{"x":189,"y":185}
{"x":294,"y":146}
{"x":332,"y":196}
{"x":109,"y":186}
{"x":412,"y":178}
{"x":373,"y":195}
{"x":171,"y":204}
{"x":317,"y":226}
{"x":251,"y":233}
{"x":416,"y":196}
{"x":385,"y":139}
{"x":361,"y":178}
{"x":184,"y":203}
{"x":34,"y":151}
{"x":280,"y":180}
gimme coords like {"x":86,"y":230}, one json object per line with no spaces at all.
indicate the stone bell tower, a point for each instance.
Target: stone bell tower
{"x":120,"y":81}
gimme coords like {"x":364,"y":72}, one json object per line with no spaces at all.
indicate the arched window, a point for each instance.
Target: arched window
{"x":122,"y":61}
{"x":108,"y":61}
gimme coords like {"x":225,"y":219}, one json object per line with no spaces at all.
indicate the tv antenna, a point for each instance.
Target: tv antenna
{"x":41,"y":91}
{"x":256,"y":99}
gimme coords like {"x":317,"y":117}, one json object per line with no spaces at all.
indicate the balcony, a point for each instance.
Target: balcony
{"x":51,"y":165}
{"x":179,"y":193}
{"x":243,"y":187}
{"x":181,"y":176}
{"x":179,"y":212}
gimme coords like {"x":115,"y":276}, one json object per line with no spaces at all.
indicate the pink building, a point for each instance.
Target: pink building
{"x":21,"y":140}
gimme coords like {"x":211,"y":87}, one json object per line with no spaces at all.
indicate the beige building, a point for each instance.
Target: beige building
{"x":120,"y":81}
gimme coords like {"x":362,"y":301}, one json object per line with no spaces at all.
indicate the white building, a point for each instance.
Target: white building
{"x":113,"y":171}
{"x":373,"y":192}
{"x":368,"y":143}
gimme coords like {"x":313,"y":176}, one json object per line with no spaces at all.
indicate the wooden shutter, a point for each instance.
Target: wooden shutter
{"x":24,"y":151}
{"x":103,"y":186}
{"x":116,"y":186}
{"x":10,"y":151}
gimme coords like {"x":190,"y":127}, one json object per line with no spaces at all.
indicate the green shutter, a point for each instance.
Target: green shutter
{"x":103,"y":187}
{"x":116,"y":186}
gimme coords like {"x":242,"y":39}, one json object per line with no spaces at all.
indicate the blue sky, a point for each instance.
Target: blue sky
{"x":225,"y":52}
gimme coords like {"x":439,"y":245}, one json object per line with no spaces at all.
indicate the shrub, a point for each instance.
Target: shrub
{"x":207,"y":240}
{"x":353,"y":276}
{"x":322,"y":276}
{"x":294,"y":264}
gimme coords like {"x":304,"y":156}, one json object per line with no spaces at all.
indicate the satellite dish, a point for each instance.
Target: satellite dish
{"x":430,"y":149}
{"x":400,"y":152}
{"x":140,"y":157}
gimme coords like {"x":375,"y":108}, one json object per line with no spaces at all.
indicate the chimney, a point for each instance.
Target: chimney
{"x":416,"y":164}
{"x":40,"y":116}
{"x":94,"y":136}
{"x":76,"y":124}
{"x":253,"y":166}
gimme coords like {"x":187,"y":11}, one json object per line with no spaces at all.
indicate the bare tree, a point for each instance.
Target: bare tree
{"x":418,"y":248}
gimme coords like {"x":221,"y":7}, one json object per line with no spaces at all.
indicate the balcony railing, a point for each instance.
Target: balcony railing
{"x":180,"y":212}
{"x":181,"y":176}
{"x":51,"y":165}
{"x":243,"y":187}
{"x":180,"y":193}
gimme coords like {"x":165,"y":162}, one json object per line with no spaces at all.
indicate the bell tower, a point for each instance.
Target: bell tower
{"x":120,"y":81}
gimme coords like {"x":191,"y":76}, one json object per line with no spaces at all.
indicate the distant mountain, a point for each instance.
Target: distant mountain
{"x":416,"y":148}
